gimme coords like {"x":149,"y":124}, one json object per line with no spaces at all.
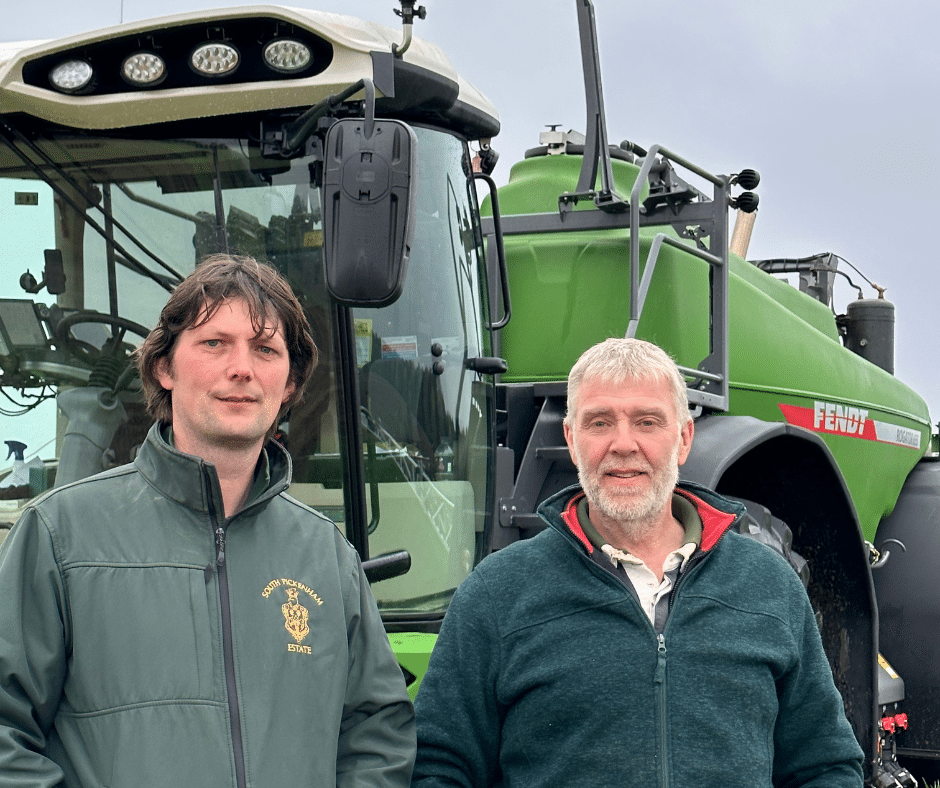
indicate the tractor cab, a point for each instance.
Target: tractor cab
{"x":103,"y":218}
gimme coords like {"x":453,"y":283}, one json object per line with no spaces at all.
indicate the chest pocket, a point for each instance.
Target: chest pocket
{"x":140,"y":634}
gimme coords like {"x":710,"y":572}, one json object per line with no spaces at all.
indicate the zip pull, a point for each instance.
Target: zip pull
{"x":220,"y":541}
{"x":660,"y":677}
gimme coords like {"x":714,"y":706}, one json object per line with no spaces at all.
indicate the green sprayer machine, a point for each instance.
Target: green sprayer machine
{"x":350,"y":156}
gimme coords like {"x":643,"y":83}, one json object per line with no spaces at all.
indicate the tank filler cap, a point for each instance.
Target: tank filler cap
{"x":557,"y":141}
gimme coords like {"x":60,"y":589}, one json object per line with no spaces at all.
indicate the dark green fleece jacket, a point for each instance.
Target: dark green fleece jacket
{"x":138,"y":647}
{"x":548,"y":673}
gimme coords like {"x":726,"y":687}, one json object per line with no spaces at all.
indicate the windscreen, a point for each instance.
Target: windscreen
{"x":122,"y":220}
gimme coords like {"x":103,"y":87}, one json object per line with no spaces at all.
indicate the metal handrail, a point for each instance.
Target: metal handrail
{"x":638,"y":297}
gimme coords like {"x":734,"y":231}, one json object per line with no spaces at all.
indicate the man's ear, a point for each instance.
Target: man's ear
{"x":569,"y":439}
{"x":288,"y":392}
{"x":163,"y":373}
{"x":685,"y":440}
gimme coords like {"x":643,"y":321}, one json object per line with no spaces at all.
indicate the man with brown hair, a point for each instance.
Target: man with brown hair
{"x":182,"y":620}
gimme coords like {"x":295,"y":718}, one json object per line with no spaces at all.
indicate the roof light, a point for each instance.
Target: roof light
{"x":287,"y":55}
{"x":143,"y":69}
{"x":72,"y":76}
{"x":214,"y":59}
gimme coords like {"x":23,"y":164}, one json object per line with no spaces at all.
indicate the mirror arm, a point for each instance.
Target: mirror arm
{"x":297,"y":132}
{"x":387,"y":565}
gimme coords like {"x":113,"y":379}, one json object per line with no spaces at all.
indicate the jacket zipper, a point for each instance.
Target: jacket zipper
{"x":228,"y":657}
{"x":659,"y":677}
{"x":659,"y":680}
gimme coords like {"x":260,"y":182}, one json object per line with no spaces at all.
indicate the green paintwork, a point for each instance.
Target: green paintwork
{"x":413,"y":650}
{"x":571,"y":290}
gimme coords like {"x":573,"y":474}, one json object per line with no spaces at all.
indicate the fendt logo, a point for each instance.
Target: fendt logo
{"x":834,"y":419}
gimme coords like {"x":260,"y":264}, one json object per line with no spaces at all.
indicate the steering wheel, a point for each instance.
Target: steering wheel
{"x":87,"y":352}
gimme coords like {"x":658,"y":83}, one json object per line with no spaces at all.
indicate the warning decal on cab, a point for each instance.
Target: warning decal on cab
{"x":834,"y":419}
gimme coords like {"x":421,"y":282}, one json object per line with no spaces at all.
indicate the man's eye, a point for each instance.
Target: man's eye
{"x":265,"y":350}
{"x":212,"y":342}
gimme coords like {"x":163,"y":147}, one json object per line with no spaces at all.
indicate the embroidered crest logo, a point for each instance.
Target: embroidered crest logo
{"x":295,"y":616}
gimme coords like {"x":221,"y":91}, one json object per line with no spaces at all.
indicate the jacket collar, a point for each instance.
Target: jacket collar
{"x":717,"y":513}
{"x":192,"y":482}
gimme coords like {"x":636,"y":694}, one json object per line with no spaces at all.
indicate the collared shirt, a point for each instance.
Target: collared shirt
{"x":652,"y":593}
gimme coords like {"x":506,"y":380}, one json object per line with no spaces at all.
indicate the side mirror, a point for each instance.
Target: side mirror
{"x":369,"y":174}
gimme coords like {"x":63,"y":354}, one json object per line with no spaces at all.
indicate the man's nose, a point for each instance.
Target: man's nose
{"x":240,"y":363}
{"x":624,"y":438}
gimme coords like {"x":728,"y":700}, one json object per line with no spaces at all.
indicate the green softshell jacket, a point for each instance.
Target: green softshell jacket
{"x":548,"y":673}
{"x":146,"y":641}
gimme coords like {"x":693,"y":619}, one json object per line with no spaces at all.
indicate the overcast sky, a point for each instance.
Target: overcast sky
{"x":833,"y":101}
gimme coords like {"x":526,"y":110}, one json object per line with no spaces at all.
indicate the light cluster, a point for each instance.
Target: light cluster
{"x":212,"y":59}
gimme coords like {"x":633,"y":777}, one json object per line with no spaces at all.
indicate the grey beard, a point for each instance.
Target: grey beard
{"x":634,"y":516}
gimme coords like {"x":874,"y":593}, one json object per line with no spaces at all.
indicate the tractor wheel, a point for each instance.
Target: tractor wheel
{"x":759,"y":524}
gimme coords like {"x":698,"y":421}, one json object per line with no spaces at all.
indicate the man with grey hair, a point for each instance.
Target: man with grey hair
{"x":639,"y":640}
